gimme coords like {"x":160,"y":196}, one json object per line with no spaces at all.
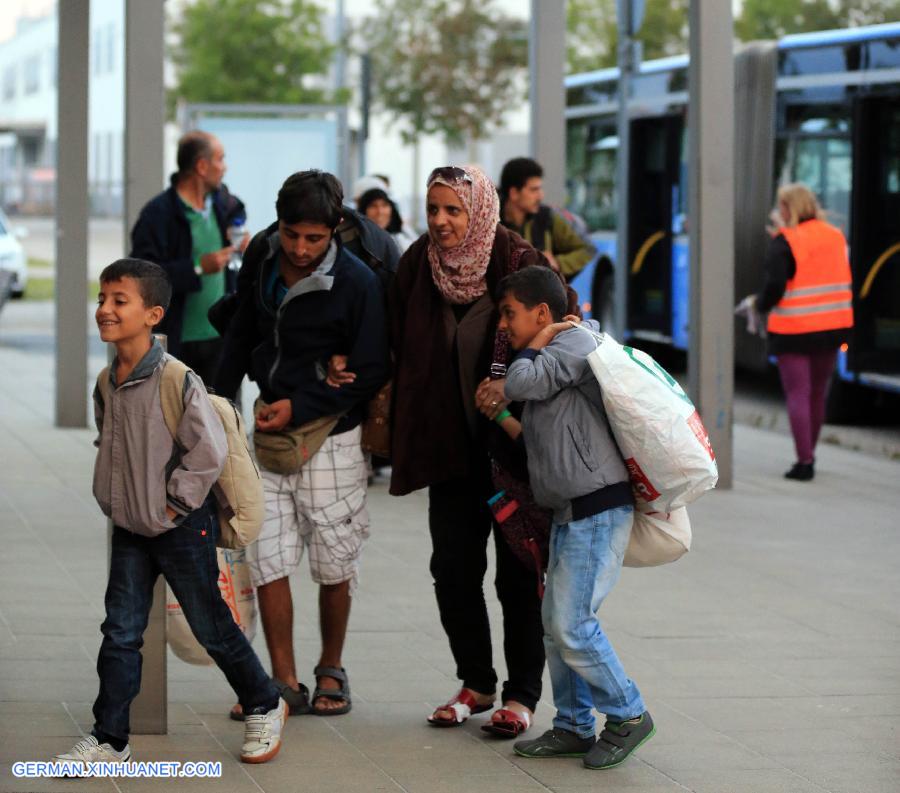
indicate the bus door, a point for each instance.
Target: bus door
{"x":655,"y":153}
{"x":875,"y":235}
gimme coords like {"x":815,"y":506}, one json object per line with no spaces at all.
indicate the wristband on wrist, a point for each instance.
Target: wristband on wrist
{"x":504,"y":415}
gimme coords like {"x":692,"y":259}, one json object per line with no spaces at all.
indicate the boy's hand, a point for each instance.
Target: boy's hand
{"x":171,"y":514}
{"x":489,"y":397}
{"x":215,"y":262}
{"x":548,"y":333}
{"x":337,"y":372}
{"x":274,"y":417}
{"x":554,"y":265}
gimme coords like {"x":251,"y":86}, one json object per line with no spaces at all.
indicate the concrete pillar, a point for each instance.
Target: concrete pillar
{"x":711,"y":224}
{"x":73,"y":20}
{"x":144,"y":178}
{"x":546,"y":61}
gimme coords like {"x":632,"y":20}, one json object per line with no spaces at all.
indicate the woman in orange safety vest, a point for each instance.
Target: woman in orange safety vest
{"x":808,"y":296}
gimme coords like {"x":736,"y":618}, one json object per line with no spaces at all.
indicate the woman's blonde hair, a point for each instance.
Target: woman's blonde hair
{"x":801,"y":203}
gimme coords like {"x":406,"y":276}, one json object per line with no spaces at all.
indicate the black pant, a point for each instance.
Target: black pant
{"x":460,"y":523}
{"x":203,"y":358}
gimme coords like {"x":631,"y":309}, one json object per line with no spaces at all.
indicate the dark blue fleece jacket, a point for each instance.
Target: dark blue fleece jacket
{"x":285,"y":347}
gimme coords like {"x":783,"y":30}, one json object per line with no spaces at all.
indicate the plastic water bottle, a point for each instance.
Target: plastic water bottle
{"x":236,"y":233}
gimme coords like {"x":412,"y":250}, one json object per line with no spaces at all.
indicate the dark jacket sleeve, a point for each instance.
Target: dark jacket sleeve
{"x":241,"y":335}
{"x":780,"y":268}
{"x":155,"y":238}
{"x":368,"y":358}
{"x":398,"y":293}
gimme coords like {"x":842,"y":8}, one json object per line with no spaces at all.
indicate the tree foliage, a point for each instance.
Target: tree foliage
{"x":250,"y":51}
{"x":448,"y":67}
{"x":593,"y":36}
{"x":592,"y":31}
{"x":772,"y":19}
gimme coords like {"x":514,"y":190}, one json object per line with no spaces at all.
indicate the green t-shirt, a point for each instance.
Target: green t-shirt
{"x":206,"y":238}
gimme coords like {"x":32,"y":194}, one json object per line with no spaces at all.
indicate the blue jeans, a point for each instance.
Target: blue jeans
{"x":585,"y":562}
{"x":186,"y":557}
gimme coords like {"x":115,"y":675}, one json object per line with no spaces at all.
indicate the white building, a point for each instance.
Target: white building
{"x":28,"y":122}
{"x":28,"y":118}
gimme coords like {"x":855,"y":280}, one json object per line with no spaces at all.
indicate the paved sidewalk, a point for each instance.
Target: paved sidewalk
{"x":769,"y":656}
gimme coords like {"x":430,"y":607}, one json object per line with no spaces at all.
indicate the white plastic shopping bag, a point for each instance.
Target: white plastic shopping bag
{"x":658,"y":538}
{"x":237,"y":591}
{"x":658,"y":430}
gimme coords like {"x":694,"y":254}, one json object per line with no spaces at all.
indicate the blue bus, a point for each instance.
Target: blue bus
{"x":820,"y":108}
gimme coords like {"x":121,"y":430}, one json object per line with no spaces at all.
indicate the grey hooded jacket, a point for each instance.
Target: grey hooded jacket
{"x":572,"y":455}
{"x":140,"y":468}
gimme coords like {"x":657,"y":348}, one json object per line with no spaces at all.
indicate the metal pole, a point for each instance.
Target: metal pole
{"x":340,"y":79}
{"x":711,"y":130}
{"x":546,"y":60}
{"x":365,"y":106}
{"x":626,"y":66}
{"x":73,"y":20}
{"x":143,"y":160}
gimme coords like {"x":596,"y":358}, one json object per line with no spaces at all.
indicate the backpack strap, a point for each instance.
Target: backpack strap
{"x":541,"y":226}
{"x":171,"y":393}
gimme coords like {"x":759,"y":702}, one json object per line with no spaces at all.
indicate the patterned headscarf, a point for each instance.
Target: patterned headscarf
{"x":459,"y":272}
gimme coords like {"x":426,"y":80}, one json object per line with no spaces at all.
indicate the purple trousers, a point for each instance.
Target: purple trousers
{"x":805,"y":377}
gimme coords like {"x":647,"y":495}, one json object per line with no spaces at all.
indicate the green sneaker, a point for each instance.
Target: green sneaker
{"x":618,"y":740}
{"x":554,"y":743}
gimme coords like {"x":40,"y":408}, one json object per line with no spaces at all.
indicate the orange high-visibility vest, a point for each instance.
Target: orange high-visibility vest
{"x":819,"y":296}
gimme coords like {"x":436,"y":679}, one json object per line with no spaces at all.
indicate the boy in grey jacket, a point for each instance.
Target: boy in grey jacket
{"x":156,"y":490}
{"x":575,"y":469}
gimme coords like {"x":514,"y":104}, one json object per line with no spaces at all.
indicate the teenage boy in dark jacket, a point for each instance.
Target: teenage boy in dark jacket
{"x":304,"y":298}
{"x":185,"y":231}
{"x":576,"y":469}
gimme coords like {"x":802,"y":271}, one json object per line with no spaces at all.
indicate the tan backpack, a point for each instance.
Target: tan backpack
{"x":238,"y":491}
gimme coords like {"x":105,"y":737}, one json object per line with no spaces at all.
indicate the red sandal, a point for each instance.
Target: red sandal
{"x":462,"y":706}
{"x":509,"y":724}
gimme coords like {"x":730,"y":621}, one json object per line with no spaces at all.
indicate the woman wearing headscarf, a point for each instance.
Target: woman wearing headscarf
{"x":808,"y":296}
{"x":444,"y":328}
{"x":378,"y":206}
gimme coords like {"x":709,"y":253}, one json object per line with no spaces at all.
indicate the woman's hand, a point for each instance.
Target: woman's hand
{"x":489,"y":397}
{"x":337,"y":372}
{"x":274,"y":417}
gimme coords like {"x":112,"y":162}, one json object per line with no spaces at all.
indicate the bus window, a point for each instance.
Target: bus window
{"x":817,"y":152}
{"x":591,"y":167}
{"x":884,"y":54}
{"x":820,"y":60}
{"x":824,"y":165}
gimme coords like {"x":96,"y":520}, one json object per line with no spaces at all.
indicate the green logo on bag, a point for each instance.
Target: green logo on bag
{"x":659,"y":373}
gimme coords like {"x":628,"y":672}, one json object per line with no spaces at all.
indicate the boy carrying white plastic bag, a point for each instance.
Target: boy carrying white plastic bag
{"x":575,"y":469}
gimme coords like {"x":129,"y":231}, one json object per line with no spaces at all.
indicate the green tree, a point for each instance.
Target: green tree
{"x":250,"y":51}
{"x":447,"y":67}
{"x":772,"y":19}
{"x":592,"y":32}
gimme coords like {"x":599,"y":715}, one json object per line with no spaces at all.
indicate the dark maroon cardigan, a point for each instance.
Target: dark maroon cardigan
{"x":430,"y":439}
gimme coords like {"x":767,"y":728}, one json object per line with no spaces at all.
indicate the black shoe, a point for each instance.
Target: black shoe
{"x":618,"y":740}
{"x":554,"y":743}
{"x":802,"y":472}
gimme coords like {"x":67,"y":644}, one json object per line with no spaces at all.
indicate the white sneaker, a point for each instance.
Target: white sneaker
{"x":262,"y":734}
{"x":90,"y":751}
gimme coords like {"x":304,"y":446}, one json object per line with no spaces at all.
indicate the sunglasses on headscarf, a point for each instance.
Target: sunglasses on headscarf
{"x":450,"y":173}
